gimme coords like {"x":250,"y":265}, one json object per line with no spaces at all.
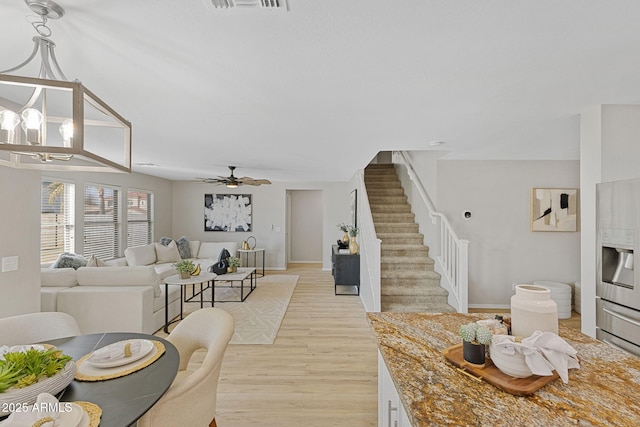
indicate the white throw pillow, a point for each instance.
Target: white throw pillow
{"x":195,"y":247}
{"x":94,"y":261}
{"x":168,"y":253}
{"x":141,"y":255}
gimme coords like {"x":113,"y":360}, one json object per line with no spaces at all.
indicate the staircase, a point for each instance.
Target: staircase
{"x":408,"y":281}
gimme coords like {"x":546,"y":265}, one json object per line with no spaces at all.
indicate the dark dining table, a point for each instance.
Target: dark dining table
{"x":122,"y":400}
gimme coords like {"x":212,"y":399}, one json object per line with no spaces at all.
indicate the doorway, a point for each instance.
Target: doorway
{"x":304,"y":226}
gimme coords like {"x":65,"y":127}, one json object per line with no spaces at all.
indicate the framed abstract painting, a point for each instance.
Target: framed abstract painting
{"x":554,"y":209}
{"x":227,"y":212}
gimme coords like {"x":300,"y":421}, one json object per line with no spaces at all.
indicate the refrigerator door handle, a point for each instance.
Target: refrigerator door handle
{"x":621,"y":317}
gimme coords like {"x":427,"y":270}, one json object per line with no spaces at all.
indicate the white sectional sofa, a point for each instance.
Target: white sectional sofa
{"x":125,"y":294}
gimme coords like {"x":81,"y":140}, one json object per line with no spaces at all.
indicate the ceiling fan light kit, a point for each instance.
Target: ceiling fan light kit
{"x":232,"y":181}
{"x":63,"y":125}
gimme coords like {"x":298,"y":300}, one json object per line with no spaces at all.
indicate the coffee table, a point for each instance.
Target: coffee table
{"x":201,"y":279}
{"x":241,"y":275}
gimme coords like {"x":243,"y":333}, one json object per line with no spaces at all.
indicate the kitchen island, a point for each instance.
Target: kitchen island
{"x":605,"y":391}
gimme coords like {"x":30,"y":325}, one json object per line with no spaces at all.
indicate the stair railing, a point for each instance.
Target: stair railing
{"x":369,"y":250}
{"x":453,"y":260}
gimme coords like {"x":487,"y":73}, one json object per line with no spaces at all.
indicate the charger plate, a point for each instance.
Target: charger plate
{"x":94,"y":411}
{"x":85,"y":371}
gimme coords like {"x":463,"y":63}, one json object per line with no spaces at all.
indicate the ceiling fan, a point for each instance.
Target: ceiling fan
{"x":232,"y":182}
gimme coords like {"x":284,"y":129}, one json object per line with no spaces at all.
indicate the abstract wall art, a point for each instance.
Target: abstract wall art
{"x":554,"y":209}
{"x":227,"y":212}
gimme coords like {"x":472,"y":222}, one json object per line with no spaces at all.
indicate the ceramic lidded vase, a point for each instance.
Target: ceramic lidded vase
{"x":532,"y":309}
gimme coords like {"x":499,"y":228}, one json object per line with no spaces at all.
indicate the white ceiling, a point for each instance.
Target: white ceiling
{"x":314,"y":93}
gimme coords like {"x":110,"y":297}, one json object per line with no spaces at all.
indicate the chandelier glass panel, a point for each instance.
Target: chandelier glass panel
{"x":48,"y":122}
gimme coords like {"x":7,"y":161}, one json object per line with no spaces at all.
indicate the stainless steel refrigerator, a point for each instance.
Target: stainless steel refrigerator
{"x":618,"y":246}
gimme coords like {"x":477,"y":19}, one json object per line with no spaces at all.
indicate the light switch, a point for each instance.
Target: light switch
{"x":9,"y":263}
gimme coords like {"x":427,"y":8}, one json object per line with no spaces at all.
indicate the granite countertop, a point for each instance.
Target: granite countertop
{"x":605,"y":391}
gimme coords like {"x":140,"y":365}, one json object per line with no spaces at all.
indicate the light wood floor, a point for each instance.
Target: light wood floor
{"x":321,"y":370}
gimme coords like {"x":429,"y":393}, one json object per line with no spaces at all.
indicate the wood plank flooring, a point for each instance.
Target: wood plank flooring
{"x":320,"y":371}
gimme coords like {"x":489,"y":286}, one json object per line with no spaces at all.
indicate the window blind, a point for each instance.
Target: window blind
{"x":101,"y":222}
{"x":57,"y":213}
{"x":139,"y":218}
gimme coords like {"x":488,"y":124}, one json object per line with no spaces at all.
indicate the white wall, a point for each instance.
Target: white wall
{"x":502,"y":249}
{"x":269,"y":214}
{"x":20,"y":234}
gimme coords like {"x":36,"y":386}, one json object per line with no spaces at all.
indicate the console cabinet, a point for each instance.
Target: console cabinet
{"x":346,"y":271}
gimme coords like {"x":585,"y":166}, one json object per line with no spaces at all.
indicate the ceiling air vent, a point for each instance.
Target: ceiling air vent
{"x":248,"y":4}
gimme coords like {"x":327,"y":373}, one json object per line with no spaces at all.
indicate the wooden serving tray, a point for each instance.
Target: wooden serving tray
{"x":491,"y":374}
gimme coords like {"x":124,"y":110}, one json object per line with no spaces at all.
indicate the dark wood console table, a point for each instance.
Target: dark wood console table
{"x":346,"y":271}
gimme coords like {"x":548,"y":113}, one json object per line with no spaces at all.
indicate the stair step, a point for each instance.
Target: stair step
{"x":401,"y":238}
{"x":401,"y":277}
{"x":374,"y":185}
{"x":413,"y":289}
{"x":375,"y":199}
{"x":400,"y":228}
{"x":406,"y":263}
{"x":384,"y":208}
{"x":385,"y":191}
{"x":410,"y":250}
{"x":379,"y":217}
{"x":410,"y":307}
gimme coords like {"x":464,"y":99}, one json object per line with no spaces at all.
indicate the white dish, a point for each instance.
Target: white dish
{"x":145,"y":348}
{"x":72,"y":418}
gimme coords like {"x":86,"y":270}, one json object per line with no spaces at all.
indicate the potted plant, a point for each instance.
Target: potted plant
{"x":474,"y":339}
{"x":345,"y":229}
{"x":234,"y":263}
{"x":185,"y":267}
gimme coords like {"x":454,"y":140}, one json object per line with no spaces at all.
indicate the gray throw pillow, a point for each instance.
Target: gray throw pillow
{"x":164,"y":241}
{"x":69,"y":260}
{"x":184,"y":248}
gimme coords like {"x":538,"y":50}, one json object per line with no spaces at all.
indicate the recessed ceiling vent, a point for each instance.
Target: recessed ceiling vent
{"x":250,"y":4}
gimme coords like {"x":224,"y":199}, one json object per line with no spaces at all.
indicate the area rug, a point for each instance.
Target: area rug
{"x":258,"y":318}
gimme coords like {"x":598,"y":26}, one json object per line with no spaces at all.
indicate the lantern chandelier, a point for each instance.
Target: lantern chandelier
{"x":49,"y":122}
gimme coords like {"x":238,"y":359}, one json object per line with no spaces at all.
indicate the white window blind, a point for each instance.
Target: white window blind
{"x":57,"y":215}
{"x":139,"y":218}
{"x":101,"y":222}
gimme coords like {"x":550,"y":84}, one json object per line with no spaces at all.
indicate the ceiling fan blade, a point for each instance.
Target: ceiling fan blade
{"x":256,"y":182}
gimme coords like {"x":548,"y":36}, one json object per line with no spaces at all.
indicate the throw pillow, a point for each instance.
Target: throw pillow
{"x":168,"y":253}
{"x":164,"y":241}
{"x":69,"y":260}
{"x":140,"y":255}
{"x":94,"y":261}
{"x":184,"y":247}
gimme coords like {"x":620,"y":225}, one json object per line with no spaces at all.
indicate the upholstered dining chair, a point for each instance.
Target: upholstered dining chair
{"x":33,"y":328}
{"x":191,"y":399}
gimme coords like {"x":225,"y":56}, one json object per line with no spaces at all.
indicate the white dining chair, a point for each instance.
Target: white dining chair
{"x":33,"y":328}
{"x":191,"y":399}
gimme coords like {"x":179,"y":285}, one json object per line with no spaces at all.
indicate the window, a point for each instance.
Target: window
{"x":139,"y":218}
{"x":57,"y":213}
{"x":101,"y":222}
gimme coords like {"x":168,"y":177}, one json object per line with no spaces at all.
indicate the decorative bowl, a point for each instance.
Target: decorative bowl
{"x":511,"y":364}
{"x":17,"y":398}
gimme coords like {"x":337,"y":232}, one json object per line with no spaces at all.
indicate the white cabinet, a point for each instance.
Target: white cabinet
{"x":391,"y":413}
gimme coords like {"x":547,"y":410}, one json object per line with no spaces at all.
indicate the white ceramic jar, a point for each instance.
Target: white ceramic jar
{"x":532,"y":309}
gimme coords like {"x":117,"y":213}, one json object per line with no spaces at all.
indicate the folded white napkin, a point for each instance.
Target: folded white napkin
{"x":555,"y":350}
{"x":116,"y":351}
{"x":45,"y":413}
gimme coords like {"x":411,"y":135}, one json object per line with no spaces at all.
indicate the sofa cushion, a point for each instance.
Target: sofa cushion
{"x":120,"y":276}
{"x":141,"y":255}
{"x":165,"y":270}
{"x":57,"y":277}
{"x":212,"y":249}
{"x":184,"y":248}
{"x":167,"y":253}
{"x":49,"y":297}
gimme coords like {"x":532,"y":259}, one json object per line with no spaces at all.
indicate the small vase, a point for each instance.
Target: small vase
{"x":473,"y":353}
{"x":353,"y":246}
{"x":533,"y":309}
{"x":345,"y":238}
{"x":233,"y":269}
{"x":185,"y":275}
